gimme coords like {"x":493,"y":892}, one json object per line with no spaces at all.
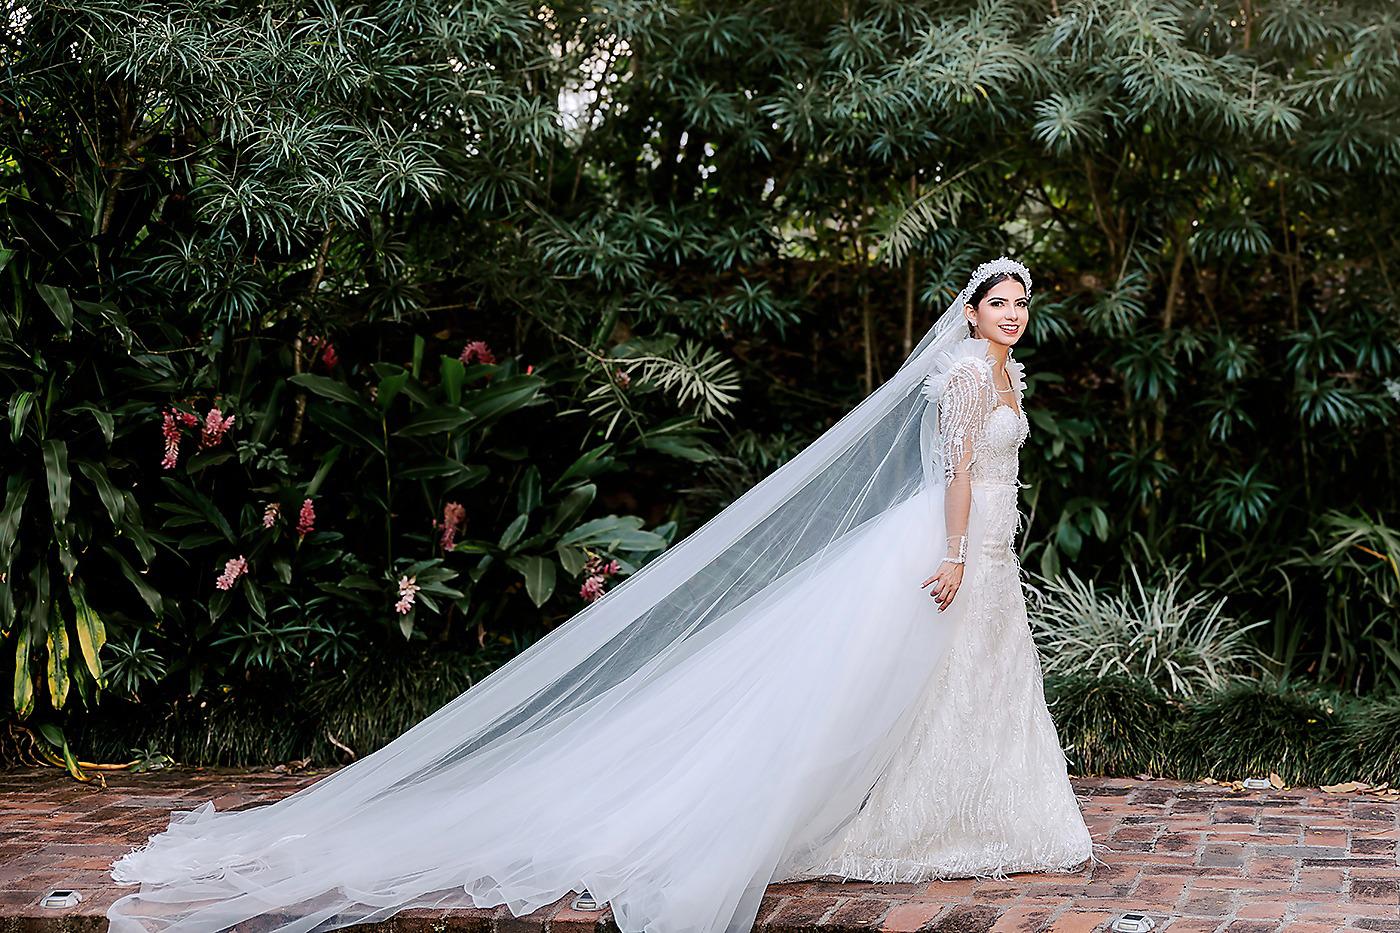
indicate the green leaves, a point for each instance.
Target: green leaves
{"x":59,"y":303}
{"x":59,"y":482}
{"x":539,"y":576}
{"x":614,"y":533}
{"x":326,"y":387}
{"x":92,"y":632}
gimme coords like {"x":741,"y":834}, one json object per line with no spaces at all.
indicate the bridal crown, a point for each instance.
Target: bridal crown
{"x":995,"y":267}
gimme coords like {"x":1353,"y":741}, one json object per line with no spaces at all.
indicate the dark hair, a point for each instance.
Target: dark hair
{"x":981,"y":290}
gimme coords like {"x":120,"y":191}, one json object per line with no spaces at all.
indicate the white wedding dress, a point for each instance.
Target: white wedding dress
{"x":841,"y":725}
{"x":980,"y":787}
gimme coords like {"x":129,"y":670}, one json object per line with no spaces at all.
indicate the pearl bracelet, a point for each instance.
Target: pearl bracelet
{"x":962,"y":550}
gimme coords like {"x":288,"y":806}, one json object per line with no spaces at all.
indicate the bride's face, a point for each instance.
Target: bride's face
{"x":1002,"y":313}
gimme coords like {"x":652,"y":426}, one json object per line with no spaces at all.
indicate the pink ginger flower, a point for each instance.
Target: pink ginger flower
{"x":306,"y":520}
{"x":271,"y":513}
{"x":596,"y":566}
{"x":477,"y":352}
{"x":598,"y":571}
{"x":407,"y":591}
{"x":235,"y":568}
{"x":453,"y":515}
{"x":215,"y":425}
{"x":171,"y":422}
{"x":328,"y":355}
{"x":592,"y":588}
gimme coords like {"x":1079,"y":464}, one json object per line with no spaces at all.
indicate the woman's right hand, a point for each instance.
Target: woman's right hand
{"x":946,"y":580}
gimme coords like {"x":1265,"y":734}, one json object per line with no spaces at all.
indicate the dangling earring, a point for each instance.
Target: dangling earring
{"x":972,"y":328}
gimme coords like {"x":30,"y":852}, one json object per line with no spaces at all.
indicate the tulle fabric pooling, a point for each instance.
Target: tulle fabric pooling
{"x":673,"y":795}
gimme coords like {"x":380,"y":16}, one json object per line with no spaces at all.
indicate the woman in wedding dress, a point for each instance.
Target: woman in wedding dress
{"x":980,"y":787}
{"x":775,"y":697}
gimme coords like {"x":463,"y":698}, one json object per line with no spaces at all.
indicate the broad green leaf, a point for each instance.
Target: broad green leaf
{"x":206,"y":459}
{"x":16,"y":490}
{"x":147,"y":592}
{"x":453,"y":374}
{"x":24,"y":682}
{"x":590,"y":463}
{"x":389,"y":389}
{"x":539,"y":577}
{"x":433,"y":468}
{"x":351,"y":426}
{"x":327,"y":461}
{"x":254,"y":595}
{"x":571,"y":508}
{"x":92,"y":633}
{"x":513,"y":531}
{"x":59,"y":303}
{"x":109,"y":494}
{"x":105,"y":422}
{"x":504,"y":396}
{"x":690,"y":449}
{"x":7,"y":608}
{"x":56,"y":471}
{"x":572,"y":558}
{"x":327,"y":387}
{"x":615,"y":533}
{"x":528,"y":496}
{"x":198,"y":504}
{"x":21,"y":403}
{"x":436,"y":420}
{"x":133,"y":530}
{"x":58,"y":663}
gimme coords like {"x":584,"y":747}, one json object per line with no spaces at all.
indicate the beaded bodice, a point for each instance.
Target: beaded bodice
{"x":976,"y":422}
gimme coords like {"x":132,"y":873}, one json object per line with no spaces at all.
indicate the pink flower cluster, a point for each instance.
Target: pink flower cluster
{"x":215,"y":426}
{"x":477,"y":352}
{"x":598,"y":572}
{"x":306,"y":520}
{"x":453,"y":515}
{"x":407,"y":590}
{"x":328,"y":355}
{"x":271,"y":513}
{"x":235,"y":568}
{"x":173,"y":421}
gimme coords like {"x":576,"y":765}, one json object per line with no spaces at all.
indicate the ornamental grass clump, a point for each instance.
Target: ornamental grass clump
{"x":1181,"y":644}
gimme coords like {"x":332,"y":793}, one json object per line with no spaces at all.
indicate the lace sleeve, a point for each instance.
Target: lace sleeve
{"x":961,"y":413}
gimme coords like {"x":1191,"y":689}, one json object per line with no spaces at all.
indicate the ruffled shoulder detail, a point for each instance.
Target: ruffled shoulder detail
{"x":1016,"y":371}
{"x":968,"y":353}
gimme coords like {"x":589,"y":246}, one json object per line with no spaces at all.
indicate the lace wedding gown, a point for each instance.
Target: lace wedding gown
{"x":843,"y":725}
{"x":980,"y":787}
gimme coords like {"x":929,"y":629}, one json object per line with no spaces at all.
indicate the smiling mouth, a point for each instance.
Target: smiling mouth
{"x":1008,"y":328}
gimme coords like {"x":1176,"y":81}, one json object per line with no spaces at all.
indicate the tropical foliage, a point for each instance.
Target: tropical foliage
{"x":565,"y":280}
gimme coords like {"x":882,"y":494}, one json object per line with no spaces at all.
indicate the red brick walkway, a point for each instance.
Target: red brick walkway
{"x":1198,"y":858}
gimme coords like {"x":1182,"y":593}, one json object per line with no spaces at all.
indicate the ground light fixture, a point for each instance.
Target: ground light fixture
{"x":1256,"y":783}
{"x":586,"y":901}
{"x":1133,"y":923}
{"x":60,"y":897}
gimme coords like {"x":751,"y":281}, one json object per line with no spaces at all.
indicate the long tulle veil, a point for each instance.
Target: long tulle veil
{"x":675,"y":746}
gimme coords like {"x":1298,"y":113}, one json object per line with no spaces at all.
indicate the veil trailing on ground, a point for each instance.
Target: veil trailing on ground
{"x":674,"y":747}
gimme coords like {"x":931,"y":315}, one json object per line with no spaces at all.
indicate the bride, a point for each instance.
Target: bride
{"x":773,"y":698}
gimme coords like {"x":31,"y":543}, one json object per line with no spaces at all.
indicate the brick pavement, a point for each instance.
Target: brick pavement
{"x":1198,"y":858}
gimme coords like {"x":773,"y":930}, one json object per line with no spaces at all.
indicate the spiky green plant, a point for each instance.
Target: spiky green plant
{"x":1181,"y":643}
